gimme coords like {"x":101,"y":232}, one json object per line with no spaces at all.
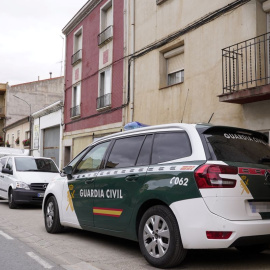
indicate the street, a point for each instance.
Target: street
{"x":75,"y":249}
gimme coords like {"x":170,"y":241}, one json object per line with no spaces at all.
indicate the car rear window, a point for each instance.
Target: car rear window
{"x":238,"y":145}
{"x":170,"y":146}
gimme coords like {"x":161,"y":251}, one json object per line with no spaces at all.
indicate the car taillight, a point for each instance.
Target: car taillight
{"x":208,"y":176}
{"x":218,"y":235}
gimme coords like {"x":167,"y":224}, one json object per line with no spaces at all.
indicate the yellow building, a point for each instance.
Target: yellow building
{"x":179,"y":72}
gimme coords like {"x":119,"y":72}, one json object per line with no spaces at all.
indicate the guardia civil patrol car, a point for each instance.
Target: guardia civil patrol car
{"x":171,"y":187}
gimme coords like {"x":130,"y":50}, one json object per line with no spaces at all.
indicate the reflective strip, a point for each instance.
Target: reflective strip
{"x":107,"y":212}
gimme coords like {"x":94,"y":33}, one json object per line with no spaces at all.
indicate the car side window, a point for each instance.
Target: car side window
{"x":170,"y":146}
{"x":77,"y":158}
{"x":125,"y":152}
{"x":9,"y":164}
{"x":145,"y":153}
{"x":92,"y":159}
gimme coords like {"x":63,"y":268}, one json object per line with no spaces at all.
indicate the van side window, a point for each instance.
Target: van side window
{"x":9,"y":164}
{"x":92,"y":159}
{"x":170,"y":146}
{"x":125,"y":152}
{"x":145,"y":153}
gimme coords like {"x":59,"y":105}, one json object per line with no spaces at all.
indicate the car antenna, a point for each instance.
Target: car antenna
{"x":210,"y":118}
{"x":184,"y":107}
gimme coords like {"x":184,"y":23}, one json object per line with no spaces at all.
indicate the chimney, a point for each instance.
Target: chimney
{"x":50,"y":75}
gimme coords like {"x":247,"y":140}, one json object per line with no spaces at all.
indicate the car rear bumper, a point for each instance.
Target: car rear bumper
{"x":22,"y":196}
{"x":194,"y":219}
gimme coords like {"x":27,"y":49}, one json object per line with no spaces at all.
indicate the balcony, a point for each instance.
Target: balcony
{"x":246,"y":71}
{"x":76,"y":57}
{"x":106,"y":35}
{"x":104,"y":102}
{"x":75,"y":111}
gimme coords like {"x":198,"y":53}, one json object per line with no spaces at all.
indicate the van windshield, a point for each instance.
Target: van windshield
{"x":238,"y":145}
{"x":35,"y":165}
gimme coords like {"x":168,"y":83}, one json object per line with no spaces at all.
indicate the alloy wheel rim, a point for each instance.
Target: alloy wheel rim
{"x":50,"y":214}
{"x":156,"y":236}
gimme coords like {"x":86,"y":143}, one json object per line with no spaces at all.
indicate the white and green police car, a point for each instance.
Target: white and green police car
{"x":171,"y":187}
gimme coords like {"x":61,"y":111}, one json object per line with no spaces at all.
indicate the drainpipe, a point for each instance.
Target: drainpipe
{"x":132,"y":64}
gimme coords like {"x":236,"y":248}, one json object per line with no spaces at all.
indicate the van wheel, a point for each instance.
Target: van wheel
{"x":51,"y":216}
{"x":11,"y":203}
{"x":159,"y":238}
{"x":253,"y":249}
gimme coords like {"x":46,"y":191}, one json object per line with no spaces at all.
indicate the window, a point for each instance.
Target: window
{"x":77,"y":49}
{"x":92,"y":159}
{"x":125,"y":152}
{"x":13,"y":140}
{"x":77,"y":158}
{"x":144,"y":156}
{"x":170,"y":146}
{"x":175,"y":65}
{"x":9,"y":164}
{"x":35,"y":164}
{"x":106,"y":22}
{"x":76,"y":101}
{"x":104,"y":99}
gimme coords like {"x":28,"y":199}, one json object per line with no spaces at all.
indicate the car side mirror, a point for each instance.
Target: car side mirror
{"x":68,"y":171}
{"x":7,"y":171}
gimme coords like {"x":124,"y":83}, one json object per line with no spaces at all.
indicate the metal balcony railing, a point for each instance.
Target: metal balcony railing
{"x":75,"y":111}
{"x":104,"y":101}
{"x":246,"y":64}
{"x":76,"y":57}
{"x":105,"y":35}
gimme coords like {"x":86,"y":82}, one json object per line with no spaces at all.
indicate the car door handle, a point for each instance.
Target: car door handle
{"x":89,"y":180}
{"x":2,"y":176}
{"x":132,"y":178}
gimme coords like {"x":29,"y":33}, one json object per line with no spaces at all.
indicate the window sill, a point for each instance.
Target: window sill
{"x":106,"y":108}
{"x":75,"y":117}
{"x":168,"y":86}
{"x":159,"y":2}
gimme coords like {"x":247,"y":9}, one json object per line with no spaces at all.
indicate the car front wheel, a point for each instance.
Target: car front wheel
{"x":159,"y":238}
{"x":51,"y":216}
{"x":11,"y":203}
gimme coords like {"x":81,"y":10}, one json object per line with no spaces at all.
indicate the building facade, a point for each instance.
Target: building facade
{"x":17,"y":134}
{"x":3,"y":90}
{"x":47,"y":132}
{"x":183,"y":67}
{"x":94,"y":80}
{"x":24,"y":99}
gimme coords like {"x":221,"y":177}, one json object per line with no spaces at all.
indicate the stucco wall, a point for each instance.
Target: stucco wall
{"x":195,"y":100}
{"x":37,"y":94}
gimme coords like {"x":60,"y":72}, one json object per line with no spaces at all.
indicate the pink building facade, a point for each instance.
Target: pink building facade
{"x":94,"y":75}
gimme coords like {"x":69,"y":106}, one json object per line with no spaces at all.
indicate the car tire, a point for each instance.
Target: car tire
{"x":51,"y":216}
{"x":11,"y":203}
{"x":159,"y":238}
{"x":253,"y":248}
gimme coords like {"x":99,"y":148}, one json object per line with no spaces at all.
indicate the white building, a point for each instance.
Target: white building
{"x":47,"y":132}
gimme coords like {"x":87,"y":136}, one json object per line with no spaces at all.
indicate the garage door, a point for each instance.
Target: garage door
{"x":51,"y":142}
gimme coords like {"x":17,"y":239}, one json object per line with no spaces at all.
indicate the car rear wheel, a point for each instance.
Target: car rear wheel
{"x":159,"y":238}
{"x":11,"y":203}
{"x":253,"y":248}
{"x":51,"y":216}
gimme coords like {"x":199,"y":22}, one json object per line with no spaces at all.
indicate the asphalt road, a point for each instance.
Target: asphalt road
{"x":80,"y":250}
